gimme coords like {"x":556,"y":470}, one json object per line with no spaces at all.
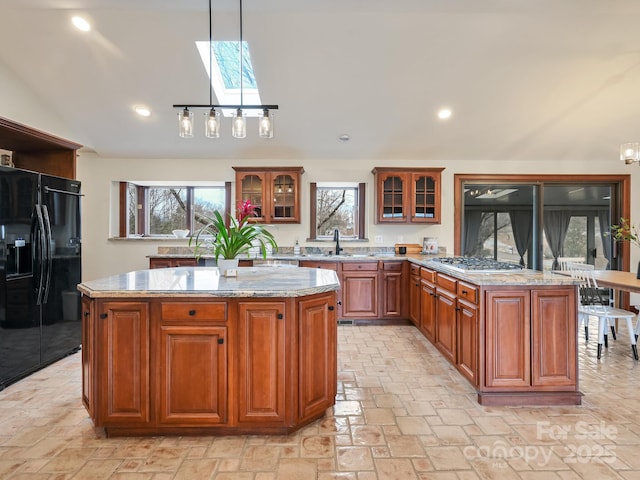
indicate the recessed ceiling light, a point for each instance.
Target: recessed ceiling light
{"x":444,"y":113}
{"x":142,"y":111}
{"x":345,"y":137}
{"x":81,"y":24}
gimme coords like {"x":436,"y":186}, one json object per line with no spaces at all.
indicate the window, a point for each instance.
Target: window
{"x":337,"y":206}
{"x":225,"y":74}
{"x":151,"y":209}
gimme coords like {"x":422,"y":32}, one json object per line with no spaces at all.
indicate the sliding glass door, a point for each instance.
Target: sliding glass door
{"x":537,"y":223}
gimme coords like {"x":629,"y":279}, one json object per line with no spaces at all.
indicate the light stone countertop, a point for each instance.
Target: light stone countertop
{"x":510,"y":277}
{"x":207,"y":282}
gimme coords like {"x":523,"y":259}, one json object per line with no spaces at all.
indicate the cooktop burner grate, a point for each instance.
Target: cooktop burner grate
{"x":477,"y":264}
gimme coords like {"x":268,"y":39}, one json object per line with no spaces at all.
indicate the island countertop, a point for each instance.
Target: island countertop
{"x":207,"y":282}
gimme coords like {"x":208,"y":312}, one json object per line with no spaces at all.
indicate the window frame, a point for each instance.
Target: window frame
{"x":142,"y":227}
{"x":313,"y":207}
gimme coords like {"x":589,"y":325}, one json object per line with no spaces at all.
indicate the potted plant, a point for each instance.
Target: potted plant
{"x":627,"y":232}
{"x":229,"y":242}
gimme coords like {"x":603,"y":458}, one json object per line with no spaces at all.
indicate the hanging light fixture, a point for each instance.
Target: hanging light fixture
{"x":212,"y":116}
{"x":630,"y":152}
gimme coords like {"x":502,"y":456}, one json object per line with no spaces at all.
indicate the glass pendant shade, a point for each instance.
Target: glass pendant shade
{"x":239,"y":125}
{"x":185,"y":123}
{"x":265,"y":125}
{"x":212,"y":125}
{"x":630,"y":152}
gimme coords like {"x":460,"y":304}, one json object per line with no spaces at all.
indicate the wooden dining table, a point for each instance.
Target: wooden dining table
{"x":625,"y":281}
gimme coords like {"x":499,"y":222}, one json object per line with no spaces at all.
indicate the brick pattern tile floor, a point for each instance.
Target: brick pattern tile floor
{"x":402,"y":413}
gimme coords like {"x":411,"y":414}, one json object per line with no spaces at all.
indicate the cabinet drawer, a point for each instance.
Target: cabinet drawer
{"x":446,"y":282}
{"x":392,"y":266}
{"x":468,"y":292}
{"x":414,"y":269}
{"x":216,"y":311}
{"x":427,"y":274}
{"x":313,"y":264}
{"x":360,"y":267}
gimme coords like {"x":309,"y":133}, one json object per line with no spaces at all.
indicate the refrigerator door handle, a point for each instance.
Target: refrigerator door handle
{"x":48,"y":253}
{"x":39,"y":244}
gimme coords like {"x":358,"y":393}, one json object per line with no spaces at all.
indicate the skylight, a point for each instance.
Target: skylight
{"x":225,"y":77}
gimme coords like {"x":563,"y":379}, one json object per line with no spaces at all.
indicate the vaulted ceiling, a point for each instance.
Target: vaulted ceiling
{"x":543,"y":80}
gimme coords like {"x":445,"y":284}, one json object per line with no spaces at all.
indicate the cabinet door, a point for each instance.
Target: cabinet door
{"x":446,"y":324}
{"x":414,"y":300}
{"x":252,"y":186}
{"x":185,"y":262}
{"x":507,"y":339}
{"x":88,"y":355}
{"x":192,"y":375}
{"x":317,"y":339}
{"x":428,"y":310}
{"x":359,"y":294}
{"x":285,"y":193}
{"x":553,"y":322}
{"x":467,"y":339}
{"x":160,"y":263}
{"x":123,"y":363}
{"x":262,"y":358}
{"x":392,"y":198}
{"x":391,"y":298}
{"x":425,"y":198}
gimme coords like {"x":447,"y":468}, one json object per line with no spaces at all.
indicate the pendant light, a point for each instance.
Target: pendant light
{"x":212,"y":115}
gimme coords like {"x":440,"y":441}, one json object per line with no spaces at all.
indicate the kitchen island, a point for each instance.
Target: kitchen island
{"x":187,"y":351}
{"x":512,"y":334}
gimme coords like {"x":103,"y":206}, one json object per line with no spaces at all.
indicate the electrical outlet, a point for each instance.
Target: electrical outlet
{"x":378,"y":239}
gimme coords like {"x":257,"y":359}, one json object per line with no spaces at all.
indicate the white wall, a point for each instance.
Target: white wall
{"x":103,"y":256}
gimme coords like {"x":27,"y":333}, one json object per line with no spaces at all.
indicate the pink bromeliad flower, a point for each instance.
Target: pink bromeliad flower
{"x":246,"y":209}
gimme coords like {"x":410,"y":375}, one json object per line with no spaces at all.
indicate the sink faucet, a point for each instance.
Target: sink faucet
{"x":336,"y":238}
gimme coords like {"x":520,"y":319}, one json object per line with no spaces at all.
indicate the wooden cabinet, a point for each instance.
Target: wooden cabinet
{"x":164,"y":262}
{"x":200,"y":365}
{"x":407,"y":195}
{"x":369,"y":290}
{"x":414,"y":294}
{"x":428,"y":304}
{"x":553,"y":351}
{"x":359,"y":284}
{"x":38,"y":151}
{"x":274,"y":191}
{"x":192,"y":363}
{"x":317,"y":377}
{"x":122,"y":351}
{"x":516,"y":344}
{"x":466,"y":338}
{"x":392,"y":283}
{"x":262,"y":344}
{"x":88,"y":355}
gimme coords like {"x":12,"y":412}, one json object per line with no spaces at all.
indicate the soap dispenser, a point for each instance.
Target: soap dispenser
{"x":296,"y":248}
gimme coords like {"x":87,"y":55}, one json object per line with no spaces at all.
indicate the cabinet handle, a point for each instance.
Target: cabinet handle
{"x":220,"y":341}
{"x":458,"y":309}
{"x":279,"y":316}
{"x":464,"y":292}
{"x":331,"y":307}
{"x":86,"y":314}
{"x":339,"y":302}
{"x":103,"y":315}
{"x":417,"y":284}
{"x":192,"y":312}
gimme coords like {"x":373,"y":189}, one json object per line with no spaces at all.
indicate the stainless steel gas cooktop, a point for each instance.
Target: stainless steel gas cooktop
{"x":478,"y":264}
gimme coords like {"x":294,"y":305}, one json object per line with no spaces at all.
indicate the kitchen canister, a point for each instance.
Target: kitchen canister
{"x":430,"y":246}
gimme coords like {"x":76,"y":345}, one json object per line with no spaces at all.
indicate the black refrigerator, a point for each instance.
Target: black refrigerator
{"x":40,"y":252}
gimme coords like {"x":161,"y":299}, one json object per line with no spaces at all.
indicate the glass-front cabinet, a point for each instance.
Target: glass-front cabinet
{"x":407,"y":195}
{"x":274,"y":191}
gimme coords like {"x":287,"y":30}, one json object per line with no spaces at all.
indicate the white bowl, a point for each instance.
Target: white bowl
{"x":181,"y":233}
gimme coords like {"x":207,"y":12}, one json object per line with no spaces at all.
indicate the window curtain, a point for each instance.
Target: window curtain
{"x":603,"y":217}
{"x":472,"y":220}
{"x":556,"y":224}
{"x":521,"y":225}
